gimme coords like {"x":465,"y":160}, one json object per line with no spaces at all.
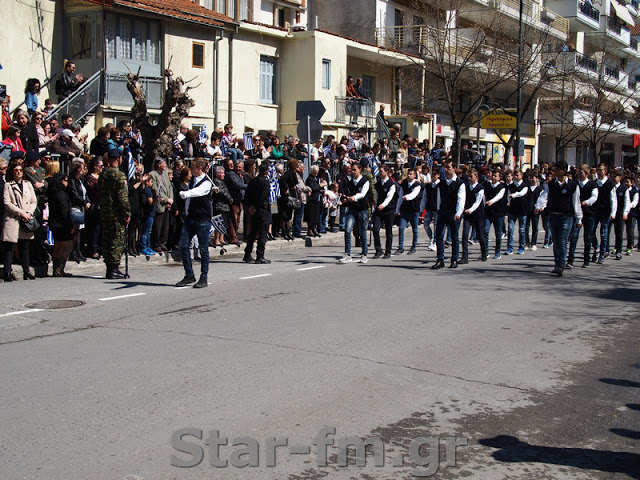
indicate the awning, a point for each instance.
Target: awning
{"x":622,"y":13}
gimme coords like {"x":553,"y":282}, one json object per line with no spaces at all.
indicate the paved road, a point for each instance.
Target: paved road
{"x":538,"y":373}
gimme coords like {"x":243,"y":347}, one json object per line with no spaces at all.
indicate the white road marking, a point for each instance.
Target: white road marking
{"x":256,"y":276}
{"x":20,"y":312}
{"x":122,"y":296}
{"x":309,"y":268}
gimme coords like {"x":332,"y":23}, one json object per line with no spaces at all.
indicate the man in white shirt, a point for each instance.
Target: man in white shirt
{"x":451,"y":197}
{"x":357,"y":212}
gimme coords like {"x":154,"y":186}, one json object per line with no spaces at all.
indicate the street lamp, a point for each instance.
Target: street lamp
{"x":519,"y":107}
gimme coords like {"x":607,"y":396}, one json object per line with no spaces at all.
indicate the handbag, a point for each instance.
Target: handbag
{"x":294,"y":202}
{"x":31,"y":225}
{"x":77,"y":215}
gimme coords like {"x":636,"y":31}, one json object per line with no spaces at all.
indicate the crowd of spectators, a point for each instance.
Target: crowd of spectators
{"x":50,"y":173}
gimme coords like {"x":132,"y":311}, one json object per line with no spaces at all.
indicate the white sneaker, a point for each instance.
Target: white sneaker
{"x":432,"y":247}
{"x":504,"y":236}
{"x":346,"y":259}
{"x":534,"y":248}
{"x":363,"y":259}
{"x":472,"y":242}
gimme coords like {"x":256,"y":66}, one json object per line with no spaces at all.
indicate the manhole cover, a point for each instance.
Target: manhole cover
{"x":55,"y":304}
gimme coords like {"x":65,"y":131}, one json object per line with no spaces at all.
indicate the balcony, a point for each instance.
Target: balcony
{"x":534,"y":15}
{"x":582,"y":15}
{"x":116,"y":93}
{"x":632,"y":85}
{"x":616,"y":30}
{"x":455,"y":46}
{"x":355,"y":112}
{"x":632,"y":48}
{"x":633,"y":123}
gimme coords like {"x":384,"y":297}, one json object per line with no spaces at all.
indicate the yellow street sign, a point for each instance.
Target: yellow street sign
{"x":497,"y":121}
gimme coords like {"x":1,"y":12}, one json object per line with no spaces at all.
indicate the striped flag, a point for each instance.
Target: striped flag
{"x":373,"y":163}
{"x":326,"y":150}
{"x":217,"y":224}
{"x":223,"y":147}
{"x":248,"y":140}
{"x":131,"y":170}
{"x":202,"y":136}
{"x":49,"y":236}
{"x":274,"y":185}
{"x":176,"y":143}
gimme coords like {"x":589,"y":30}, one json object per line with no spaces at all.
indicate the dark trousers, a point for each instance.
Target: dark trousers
{"x":161,"y":230}
{"x":476,"y":223}
{"x":259,"y":227}
{"x":603,"y":220}
{"x":23,"y":249}
{"x":618,"y":225}
{"x":234,"y":222}
{"x":629,"y":226}
{"x":201,"y":229}
{"x":587,"y":228}
{"x":532,"y":227}
{"x":446,"y":219}
{"x":560,"y":227}
{"x":498,"y":223}
{"x":383,"y":218}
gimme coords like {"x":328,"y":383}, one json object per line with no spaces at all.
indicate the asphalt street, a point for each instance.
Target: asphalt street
{"x":537,"y":375}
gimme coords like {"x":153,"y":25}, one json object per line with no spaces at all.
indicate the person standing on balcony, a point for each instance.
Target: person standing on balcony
{"x":70,"y":80}
{"x":352,"y":100}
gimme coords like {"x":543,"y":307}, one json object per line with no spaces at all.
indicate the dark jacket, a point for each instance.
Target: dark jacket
{"x":59,"y":206}
{"x":222,"y":199}
{"x":29,"y":137}
{"x":258,"y":194}
{"x":98,"y":146}
{"x":75,"y":193}
{"x":235,"y":185}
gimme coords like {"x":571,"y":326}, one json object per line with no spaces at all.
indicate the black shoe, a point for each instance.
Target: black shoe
{"x":377,"y":255}
{"x":483,"y":258}
{"x":114,"y":274}
{"x":585,"y":264}
{"x":262,"y":260}
{"x":248,"y":258}
{"x":201,"y":283}
{"x":28,"y":276}
{"x":594,"y":257}
{"x":463,"y":261}
{"x":386,"y":256}
{"x":569,"y":265}
{"x":411,"y":252}
{"x":8,"y":279}
{"x":439,"y":264}
{"x":399,"y":251}
{"x":270,"y":237}
{"x":454,"y":264}
{"x":186,"y":281}
{"x":74,"y":257}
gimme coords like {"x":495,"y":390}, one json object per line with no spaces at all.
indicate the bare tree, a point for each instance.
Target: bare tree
{"x":158,"y":138}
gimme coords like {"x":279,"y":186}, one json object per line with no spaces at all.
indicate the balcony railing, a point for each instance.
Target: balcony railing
{"x":355,"y":111}
{"x":634,"y":3}
{"x":589,"y":10}
{"x":611,"y":71}
{"x":633,"y":44}
{"x":614,"y":26}
{"x":116,"y":93}
{"x":586,"y":62}
{"x":81,"y":102}
{"x":533,"y":11}
{"x":632,"y":85}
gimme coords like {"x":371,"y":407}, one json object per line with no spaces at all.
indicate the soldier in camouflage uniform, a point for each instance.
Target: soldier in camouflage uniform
{"x":115,"y":213}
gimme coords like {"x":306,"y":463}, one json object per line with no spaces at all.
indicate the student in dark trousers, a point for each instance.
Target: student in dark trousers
{"x":588,"y":197}
{"x":622,"y":211}
{"x":533,"y":220}
{"x":451,"y":200}
{"x":473,"y":216}
{"x":562,"y":197}
{"x":384,"y":212}
{"x":494,"y":193}
{"x":409,"y":210}
{"x":258,"y":209}
{"x":632,"y":217}
{"x":518,"y":205}
{"x":605,"y":211}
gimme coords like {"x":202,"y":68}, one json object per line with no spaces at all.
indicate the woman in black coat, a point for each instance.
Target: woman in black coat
{"x":222,"y":201}
{"x":79,"y":204}
{"x":60,"y":223}
{"x":287,"y":182}
{"x":314,"y":206}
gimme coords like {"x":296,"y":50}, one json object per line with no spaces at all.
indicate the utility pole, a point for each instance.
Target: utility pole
{"x":519,"y":108}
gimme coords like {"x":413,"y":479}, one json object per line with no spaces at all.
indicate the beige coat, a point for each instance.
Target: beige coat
{"x":15,"y":204}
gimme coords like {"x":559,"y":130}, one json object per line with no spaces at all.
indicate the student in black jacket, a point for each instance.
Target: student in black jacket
{"x":60,"y":223}
{"x":258,"y":209}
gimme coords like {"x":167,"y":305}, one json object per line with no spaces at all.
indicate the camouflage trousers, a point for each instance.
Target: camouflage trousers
{"x":112,"y":240}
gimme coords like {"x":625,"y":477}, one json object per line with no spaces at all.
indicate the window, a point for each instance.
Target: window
{"x":267,"y":80}
{"x":197,"y":55}
{"x":326,"y":74}
{"x":82,"y":37}
{"x":279,"y":17}
{"x":133,"y":39}
{"x":367,"y":86}
{"x":226,"y":7}
{"x":244,"y":12}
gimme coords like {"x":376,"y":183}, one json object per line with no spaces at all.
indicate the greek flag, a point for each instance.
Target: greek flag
{"x":202,"y":136}
{"x":217,"y":224}
{"x":131,"y":170}
{"x":326,"y":150}
{"x":373,"y":163}
{"x":429,"y":161}
{"x":176,"y":143}
{"x":248,"y":140}
{"x":223,"y":147}
{"x":49,"y":236}
{"x":274,"y":185}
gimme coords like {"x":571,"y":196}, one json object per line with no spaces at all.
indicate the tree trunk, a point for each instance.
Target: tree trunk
{"x":158,"y":139}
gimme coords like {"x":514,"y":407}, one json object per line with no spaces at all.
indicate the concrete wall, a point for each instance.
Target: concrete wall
{"x":32,"y":40}
{"x":355,"y":18}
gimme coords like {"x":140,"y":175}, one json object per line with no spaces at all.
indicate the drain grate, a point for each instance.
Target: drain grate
{"x":55,"y":304}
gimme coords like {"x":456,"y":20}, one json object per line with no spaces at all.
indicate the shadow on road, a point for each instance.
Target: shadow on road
{"x":620,"y":382}
{"x":512,"y":450}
